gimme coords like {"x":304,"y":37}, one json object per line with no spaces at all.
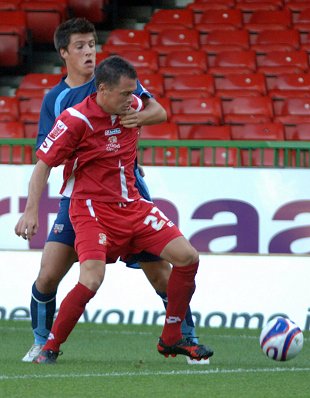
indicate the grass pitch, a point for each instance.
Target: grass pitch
{"x":121,"y":361}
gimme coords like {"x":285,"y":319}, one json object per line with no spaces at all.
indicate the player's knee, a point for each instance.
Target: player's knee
{"x":188,"y":257}
{"x":47,"y":283}
{"x":92,"y":274}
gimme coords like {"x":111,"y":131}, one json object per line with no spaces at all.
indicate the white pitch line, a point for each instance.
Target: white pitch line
{"x":160,"y":373}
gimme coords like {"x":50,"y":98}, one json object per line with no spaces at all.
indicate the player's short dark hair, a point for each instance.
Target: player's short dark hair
{"x":110,"y":70}
{"x":65,"y":30}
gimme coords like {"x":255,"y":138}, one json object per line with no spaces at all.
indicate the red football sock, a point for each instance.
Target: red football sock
{"x":72,"y":307}
{"x":181,"y":287}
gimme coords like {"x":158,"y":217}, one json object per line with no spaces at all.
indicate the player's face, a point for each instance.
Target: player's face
{"x":117,"y":100}
{"x":80,"y":56}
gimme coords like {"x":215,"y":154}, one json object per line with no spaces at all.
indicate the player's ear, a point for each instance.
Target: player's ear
{"x":62,"y":52}
{"x":102,"y":88}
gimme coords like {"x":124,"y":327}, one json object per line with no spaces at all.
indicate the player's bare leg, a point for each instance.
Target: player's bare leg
{"x":57,"y":259}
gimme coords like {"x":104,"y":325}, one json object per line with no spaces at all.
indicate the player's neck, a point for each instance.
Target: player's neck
{"x":74,"y":80}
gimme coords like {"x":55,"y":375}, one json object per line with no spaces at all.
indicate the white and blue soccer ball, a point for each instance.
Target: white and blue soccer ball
{"x":281,"y":339}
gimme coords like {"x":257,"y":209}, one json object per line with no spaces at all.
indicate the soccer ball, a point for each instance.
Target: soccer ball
{"x":281,"y":339}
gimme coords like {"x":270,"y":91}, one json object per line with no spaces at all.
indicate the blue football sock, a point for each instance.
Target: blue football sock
{"x":42,"y":308}
{"x":187,"y":326}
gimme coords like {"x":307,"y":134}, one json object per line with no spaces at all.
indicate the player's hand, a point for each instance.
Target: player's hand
{"x":130,"y":119}
{"x":27,"y":226}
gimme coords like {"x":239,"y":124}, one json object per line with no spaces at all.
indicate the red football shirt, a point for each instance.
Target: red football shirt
{"x":100,"y":153}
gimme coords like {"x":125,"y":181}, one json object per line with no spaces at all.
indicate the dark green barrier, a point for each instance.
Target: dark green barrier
{"x":190,"y":153}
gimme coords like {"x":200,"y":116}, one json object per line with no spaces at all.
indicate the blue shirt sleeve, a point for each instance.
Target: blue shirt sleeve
{"x":140,"y":91}
{"x":46,"y":122}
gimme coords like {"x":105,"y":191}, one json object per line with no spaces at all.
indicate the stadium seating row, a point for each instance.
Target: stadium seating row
{"x":255,"y":17}
{"x":24,"y":23}
{"x":186,"y":85}
{"x":19,"y":118}
{"x":217,"y":39}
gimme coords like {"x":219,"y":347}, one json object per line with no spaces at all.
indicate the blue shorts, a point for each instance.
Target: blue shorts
{"x":63,"y":232}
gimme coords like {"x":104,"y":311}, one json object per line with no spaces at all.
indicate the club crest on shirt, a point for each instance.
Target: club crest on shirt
{"x":102,"y":239}
{"x":57,"y":130}
{"x":58,"y":228}
{"x":112,"y":145}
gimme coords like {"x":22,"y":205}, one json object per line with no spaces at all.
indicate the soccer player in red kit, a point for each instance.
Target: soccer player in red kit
{"x":109,"y":216}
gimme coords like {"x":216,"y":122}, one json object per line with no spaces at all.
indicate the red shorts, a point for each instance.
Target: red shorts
{"x":105,"y":231}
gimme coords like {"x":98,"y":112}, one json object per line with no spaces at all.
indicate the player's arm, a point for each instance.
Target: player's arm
{"x":46,"y":121}
{"x":28,"y":224}
{"x":153,"y":113}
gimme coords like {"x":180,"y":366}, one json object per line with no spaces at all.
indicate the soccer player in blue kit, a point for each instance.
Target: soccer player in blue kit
{"x":75,"y":42}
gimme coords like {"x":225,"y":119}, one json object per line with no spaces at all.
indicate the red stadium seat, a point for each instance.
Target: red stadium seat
{"x":10,"y":5}
{"x":229,"y":19}
{"x":36,"y":84}
{"x":242,"y":110}
{"x":124,"y":39}
{"x":219,"y":40}
{"x":206,"y":132}
{"x":248,"y":7}
{"x":14,"y":38}
{"x":199,"y":7}
{"x":284,"y":40}
{"x":165,"y":157}
{"x":92,"y":10}
{"x":15,"y":154}
{"x":305,"y":41}
{"x":144,"y":61}
{"x":153,"y":82}
{"x":197,"y":110}
{"x":43,"y":17}
{"x":163,"y":131}
{"x":219,"y":157}
{"x":100,"y":56}
{"x":264,"y":157}
{"x":269,"y":20}
{"x":278,"y":62}
{"x":169,"y":18}
{"x":14,"y":22}
{"x":189,"y":86}
{"x":302,"y":21}
{"x":173,"y":16}
{"x":228,"y":62}
{"x":14,"y":129}
{"x":176,"y":39}
{"x":298,"y":132}
{"x":289,"y":85}
{"x":293,"y":111}
{"x":236,"y":85}
{"x":296,"y":6}
{"x":191,"y":111}
{"x":29,"y":115}
{"x":9,"y":109}
{"x":183,"y":62}
{"x":166,"y":104}
{"x":258,"y":131}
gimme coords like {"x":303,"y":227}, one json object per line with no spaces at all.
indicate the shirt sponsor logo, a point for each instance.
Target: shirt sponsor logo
{"x":57,"y":131}
{"x":46,"y":145}
{"x":112,"y":132}
{"x":112,"y":145}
